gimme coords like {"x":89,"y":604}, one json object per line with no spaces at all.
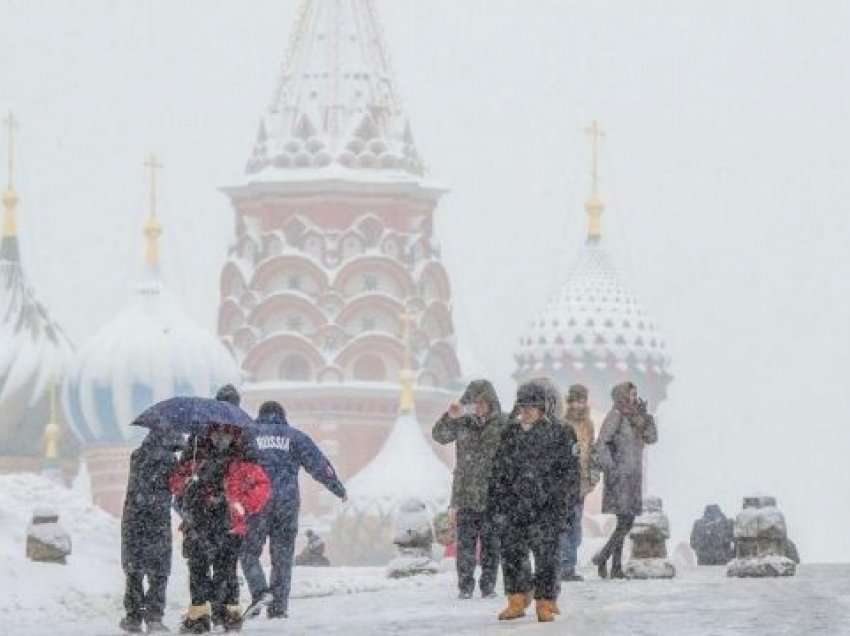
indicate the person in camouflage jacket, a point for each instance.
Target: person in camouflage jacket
{"x":475,"y":425}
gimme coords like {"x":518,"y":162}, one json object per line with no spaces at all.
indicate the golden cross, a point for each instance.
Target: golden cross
{"x":596,"y":133}
{"x":11,"y":124}
{"x":153,"y":164}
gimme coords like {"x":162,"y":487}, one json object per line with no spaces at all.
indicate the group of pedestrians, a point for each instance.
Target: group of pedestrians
{"x":520,"y":481}
{"x":234,"y":490}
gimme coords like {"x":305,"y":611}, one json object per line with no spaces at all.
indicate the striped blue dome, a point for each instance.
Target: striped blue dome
{"x":150,"y":352}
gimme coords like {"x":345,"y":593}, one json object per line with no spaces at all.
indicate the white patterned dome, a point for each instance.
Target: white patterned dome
{"x":151,"y":351}
{"x":592,"y":319}
{"x":594,"y":330}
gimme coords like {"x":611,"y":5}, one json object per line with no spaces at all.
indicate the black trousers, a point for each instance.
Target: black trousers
{"x":279,"y":525}
{"x":141,"y":604}
{"x":473,"y":527}
{"x":213,"y":571}
{"x":542,"y":540}
{"x":614,"y":547}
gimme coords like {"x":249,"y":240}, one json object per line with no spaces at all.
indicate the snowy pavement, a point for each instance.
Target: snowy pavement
{"x":701,"y":602}
{"x":83,"y":598}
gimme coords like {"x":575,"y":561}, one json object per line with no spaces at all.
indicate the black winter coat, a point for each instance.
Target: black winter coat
{"x":146,"y":520}
{"x":536,"y":475}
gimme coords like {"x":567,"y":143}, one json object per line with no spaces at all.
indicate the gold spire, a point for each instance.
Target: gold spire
{"x":594,"y":205}
{"x":407,"y":376}
{"x":153,"y":230}
{"x":10,"y":197}
{"x":52,"y":432}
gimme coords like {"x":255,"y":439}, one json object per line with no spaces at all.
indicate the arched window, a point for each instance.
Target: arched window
{"x":370,"y":368}
{"x":294,"y":368}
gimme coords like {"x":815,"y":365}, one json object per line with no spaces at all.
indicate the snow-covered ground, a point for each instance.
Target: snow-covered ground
{"x":83,"y":598}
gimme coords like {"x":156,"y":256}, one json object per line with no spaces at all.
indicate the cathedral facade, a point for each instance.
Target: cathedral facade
{"x":334,"y":250}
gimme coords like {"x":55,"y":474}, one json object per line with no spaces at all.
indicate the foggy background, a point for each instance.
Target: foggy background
{"x":724,"y":171}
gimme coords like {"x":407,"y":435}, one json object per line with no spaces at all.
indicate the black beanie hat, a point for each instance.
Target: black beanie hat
{"x":228,"y":393}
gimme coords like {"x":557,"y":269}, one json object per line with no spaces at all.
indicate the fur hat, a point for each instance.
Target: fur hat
{"x":531,"y":394}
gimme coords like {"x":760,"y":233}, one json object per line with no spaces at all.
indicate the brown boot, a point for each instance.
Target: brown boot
{"x":515,"y":609}
{"x":545,"y":611}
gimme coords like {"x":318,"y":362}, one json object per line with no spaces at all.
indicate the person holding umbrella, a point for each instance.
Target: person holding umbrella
{"x":146,"y":531}
{"x":216,"y":485}
{"x":217,"y":490}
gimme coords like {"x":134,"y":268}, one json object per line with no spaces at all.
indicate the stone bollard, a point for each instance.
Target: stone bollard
{"x":47,"y":541}
{"x":760,"y":540}
{"x":649,"y":544}
{"x":414,"y":537}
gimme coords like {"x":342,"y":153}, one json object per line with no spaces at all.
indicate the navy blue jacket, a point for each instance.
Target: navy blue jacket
{"x":282,"y":451}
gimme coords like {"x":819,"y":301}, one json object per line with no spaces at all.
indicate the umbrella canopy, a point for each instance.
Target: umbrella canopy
{"x":192,"y":415}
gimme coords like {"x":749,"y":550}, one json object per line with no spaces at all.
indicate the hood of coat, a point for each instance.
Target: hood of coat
{"x":554,"y":399}
{"x":161,"y":445}
{"x":712,"y":512}
{"x":620,"y":395}
{"x":482,"y":390}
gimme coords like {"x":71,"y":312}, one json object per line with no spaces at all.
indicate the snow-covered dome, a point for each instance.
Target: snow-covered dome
{"x":592,"y":319}
{"x":405,"y":467}
{"x":34,"y":352}
{"x":151,"y":351}
{"x":594,"y":330}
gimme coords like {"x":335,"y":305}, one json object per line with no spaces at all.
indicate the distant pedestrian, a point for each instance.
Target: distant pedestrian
{"x":475,"y":424}
{"x":217,"y":487}
{"x":528,"y":500}
{"x":713,"y":537}
{"x":619,"y":453}
{"x":282,"y":451}
{"x":146,"y":531}
{"x":313,"y":554}
{"x":578,"y":419}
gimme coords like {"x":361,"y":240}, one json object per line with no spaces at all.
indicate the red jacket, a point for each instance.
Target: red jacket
{"x":246,"y":487}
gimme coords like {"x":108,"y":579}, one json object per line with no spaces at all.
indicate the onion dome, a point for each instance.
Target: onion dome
{"x":34,"y":352}
{"x":594,"y":329}
{"x":150,"y":351}
{"x":405,"y":468}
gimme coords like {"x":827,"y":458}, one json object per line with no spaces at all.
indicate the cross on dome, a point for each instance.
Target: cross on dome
{"x":153,"y":228}
{"x":594,"y":205}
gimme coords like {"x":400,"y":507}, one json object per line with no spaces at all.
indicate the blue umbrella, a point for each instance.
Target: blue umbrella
{"x":192,"y":415}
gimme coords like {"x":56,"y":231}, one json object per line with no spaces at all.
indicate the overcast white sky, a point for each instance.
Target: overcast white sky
{"x":724,"y":170}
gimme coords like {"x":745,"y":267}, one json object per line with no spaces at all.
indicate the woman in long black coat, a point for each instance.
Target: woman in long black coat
{"x":146,"y":531}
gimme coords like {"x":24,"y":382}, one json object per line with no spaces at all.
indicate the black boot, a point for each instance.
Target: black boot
{"x":601,"y":563}
{"x":276,"y":610}
{"x":155,"y":626}
{"x":617,"y":565}
{"x":131,"y":625}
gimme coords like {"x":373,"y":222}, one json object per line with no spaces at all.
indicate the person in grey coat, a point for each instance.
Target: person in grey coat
{"x":146,"y":531}
{"x":619,"y":454}
{"x":475,"y":425}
